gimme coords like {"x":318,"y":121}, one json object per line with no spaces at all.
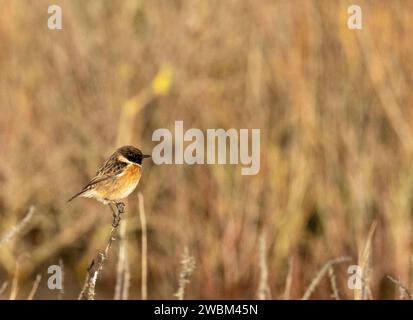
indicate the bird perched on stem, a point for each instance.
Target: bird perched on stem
{"x":115,"y":180}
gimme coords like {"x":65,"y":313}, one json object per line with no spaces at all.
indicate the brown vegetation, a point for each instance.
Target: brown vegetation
{"x":335,"y":111}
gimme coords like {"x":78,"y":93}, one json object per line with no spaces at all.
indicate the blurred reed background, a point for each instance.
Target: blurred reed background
{"x":334,"y":107}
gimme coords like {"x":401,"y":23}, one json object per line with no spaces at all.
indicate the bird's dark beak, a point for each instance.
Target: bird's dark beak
{"x":146,"y":156}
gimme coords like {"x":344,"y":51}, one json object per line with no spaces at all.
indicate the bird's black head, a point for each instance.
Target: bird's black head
{"x":132,"y":154}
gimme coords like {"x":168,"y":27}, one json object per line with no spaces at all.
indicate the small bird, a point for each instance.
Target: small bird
{"x":115,"y":180}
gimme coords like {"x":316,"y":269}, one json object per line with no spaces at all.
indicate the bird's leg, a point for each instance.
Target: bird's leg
{"x":120,"y":206}
{"x":115,"y":215}
{"x":117,"y":209}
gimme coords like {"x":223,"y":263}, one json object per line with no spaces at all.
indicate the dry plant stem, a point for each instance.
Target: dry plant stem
{"x":35,"y":287}
{"x":320,"y":275}
{"x":3,"y":287}
{"x":333,"y":282}
{"x":411,"y":272}
{"x":187,"y":267}
{"x":386,"y":95}
{"x":365,"y":264}
{"x":96,"y":267}
{"x":144,"y":262}
{"x":122,"y":266}
{"x":64,"y":239}
{"x":263,"y":288}
{"x":62,"y":291}
{"x":121,"y":263}
{"x":289,"y":280}
{"x":404,"y":292}
{"x":15,"y":284}
{"x":84,"y":287}
{"x":126,"y":278}
{"x":17,"y":228}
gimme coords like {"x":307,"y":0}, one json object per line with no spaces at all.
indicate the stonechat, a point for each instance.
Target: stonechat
{"x":115,"y":180}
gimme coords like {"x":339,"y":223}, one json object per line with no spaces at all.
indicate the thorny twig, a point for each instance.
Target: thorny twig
{"x":402,"y":289}
{"x":88,"y":291}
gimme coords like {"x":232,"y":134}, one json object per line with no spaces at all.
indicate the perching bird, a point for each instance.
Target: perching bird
{"x":116,"y":179}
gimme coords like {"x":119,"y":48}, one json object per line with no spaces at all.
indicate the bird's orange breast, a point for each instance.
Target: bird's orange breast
{"x":121,"y":186}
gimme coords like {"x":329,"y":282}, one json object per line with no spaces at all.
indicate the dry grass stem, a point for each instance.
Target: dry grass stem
{"x":122,"y":270}
{"x":17,"y":228}
{"x":4,"y":287}
{"x":35,"y":287}
{"x":316,"y":280}
{"x":411,"y":273}
{"x":62,"y":290}
{"x":333,"y":283}
{"x":334,"y":111}
{"x":289,"y":280}
{"x":187,"y":267}
{"x":375,"y":65}
{"x":126,"y":278}
{"x":264,"y":292}
{"x":404,"y":292}
{"x":82,"y":294}
{"x":144,"y":253}
{"x":64,"y":239}
{"x":121,"y":263}
{"x":365,"y":265}
{"x":15,"y":283}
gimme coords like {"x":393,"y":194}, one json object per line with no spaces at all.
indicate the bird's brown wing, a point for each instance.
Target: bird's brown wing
{"x":110,"y":169}
{"x":111,"y":166}
{"x":97,"y":179}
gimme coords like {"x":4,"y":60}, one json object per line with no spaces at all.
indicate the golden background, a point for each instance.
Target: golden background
{"x":335,"y":111}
